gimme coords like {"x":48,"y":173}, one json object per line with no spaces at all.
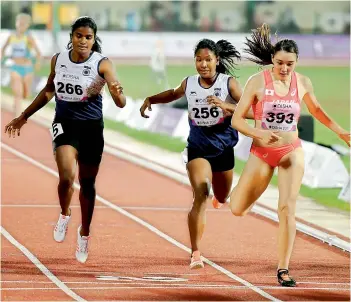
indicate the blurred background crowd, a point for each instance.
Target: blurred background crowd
{"x":304,"y":17}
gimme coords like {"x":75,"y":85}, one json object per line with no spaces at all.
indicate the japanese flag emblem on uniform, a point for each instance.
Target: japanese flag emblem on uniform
{"x":269,"y":92}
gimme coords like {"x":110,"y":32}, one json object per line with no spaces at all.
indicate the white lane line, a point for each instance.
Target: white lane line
{"x":155,"y":282}
{"x":40,"y":266}
{"x":312,"y":277}
{"x":197,"y":287}
{"x":325,"y":283}
{"x":106,"y":207}
{"x":257,"y":209}
{"x":145,"y":224}
{"x":181,"y":177}
{"x":6,"y":270}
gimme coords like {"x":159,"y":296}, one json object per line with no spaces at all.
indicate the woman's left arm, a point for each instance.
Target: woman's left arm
{"x":235,"y":94}
{"x":106,"y":69}
{"x":318,"y":112}
{"x":33,"y":44}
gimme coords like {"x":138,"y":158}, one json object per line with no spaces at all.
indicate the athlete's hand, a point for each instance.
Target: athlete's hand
{"x":345,"y":136}
{"x":216,"y":102}
{"x":143,"y":107}
{"x":15,"y":126}
{"x":116,"y":88}
{"x":269,"y":137}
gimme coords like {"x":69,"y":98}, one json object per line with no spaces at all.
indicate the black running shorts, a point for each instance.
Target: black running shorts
{"x":85,"y":136}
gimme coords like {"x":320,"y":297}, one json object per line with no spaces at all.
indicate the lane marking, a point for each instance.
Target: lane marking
{"x":262,"y":211}
{"x":129,"y":281}
{"x":145,"y":278}
{"x":138,"y":208}
{"x":145,"y":224}
{"x":312,"y":277}
{"x":181,"y":177}
{"x":40,"y":266}
{"x":197,"y":287}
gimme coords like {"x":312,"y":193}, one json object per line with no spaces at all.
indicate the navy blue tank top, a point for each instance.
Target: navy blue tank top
{"x":78,"y":88}
{"x":210,"y":130}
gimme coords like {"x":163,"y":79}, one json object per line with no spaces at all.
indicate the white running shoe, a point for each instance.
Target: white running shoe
{"x":61,"y":228}
{"x":82,"y":247}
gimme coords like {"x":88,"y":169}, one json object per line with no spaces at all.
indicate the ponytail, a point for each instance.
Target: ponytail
{"x":97,"y":45}
{"x":226,"y":53}
{"x":261,"y":48}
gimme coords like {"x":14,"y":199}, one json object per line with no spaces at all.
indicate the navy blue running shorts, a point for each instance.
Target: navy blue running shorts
{"x":223,"y":162}
{"x":86,"y":136}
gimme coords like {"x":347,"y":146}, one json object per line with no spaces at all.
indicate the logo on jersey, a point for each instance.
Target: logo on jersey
{"x":70,"y":77}
{"x":63,"y":66}
{"x":293,"y":92}
{"x":86,"y":70}
{"x":217,"y":92}
{"x":283,"y":104}
{"x":201,"y":101}
{"x":193,"y":93}
{"x":269,"y":92}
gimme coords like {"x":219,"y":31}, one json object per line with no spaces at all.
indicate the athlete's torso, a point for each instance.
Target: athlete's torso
{"x":78,"y":87}
{"x":20,"y":49}
{"x":210,"y":129}
{"x":278,"y":108}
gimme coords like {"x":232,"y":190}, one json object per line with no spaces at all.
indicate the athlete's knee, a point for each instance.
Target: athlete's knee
{"x":286,"y":209}
{"x":237,"y":211}
{"x":26,"y":93}
{"x":66,"y":180}
{"x":87,"y":187}
{"x":201,"y":192}
{"x":235,"y":207}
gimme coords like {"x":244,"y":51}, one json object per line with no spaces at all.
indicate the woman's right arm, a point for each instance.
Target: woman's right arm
{"x":239,"y":117}
{"x":4,"y":47}
{"x":163,"y":97}
{"x":45,"y":95}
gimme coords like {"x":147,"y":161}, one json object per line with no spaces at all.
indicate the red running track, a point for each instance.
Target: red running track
{"x":127,"y":260}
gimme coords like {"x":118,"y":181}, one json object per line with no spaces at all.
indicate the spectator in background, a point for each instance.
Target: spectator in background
{"x":158,"y":64}
{"x":286,"y":22}
{"x":21,"y":44}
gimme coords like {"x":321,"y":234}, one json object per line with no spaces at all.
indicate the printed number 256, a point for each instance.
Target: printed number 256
{"x":205,"y":112}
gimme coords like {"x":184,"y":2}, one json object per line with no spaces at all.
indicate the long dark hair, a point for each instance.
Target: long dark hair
{"x":86,"y":21}
{"x":225,"y":52}
{"x":261,"y":48}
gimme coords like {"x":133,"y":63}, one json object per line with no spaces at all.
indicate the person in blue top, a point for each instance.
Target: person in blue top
{"x":212,"y":95}
{"x":76,"y":79}
{"x":21,"y":44}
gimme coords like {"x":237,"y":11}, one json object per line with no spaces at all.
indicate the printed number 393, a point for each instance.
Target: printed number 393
{"x":280,"y":117}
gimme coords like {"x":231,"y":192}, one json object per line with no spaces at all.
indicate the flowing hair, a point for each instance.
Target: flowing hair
{"x":261,"y":49}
